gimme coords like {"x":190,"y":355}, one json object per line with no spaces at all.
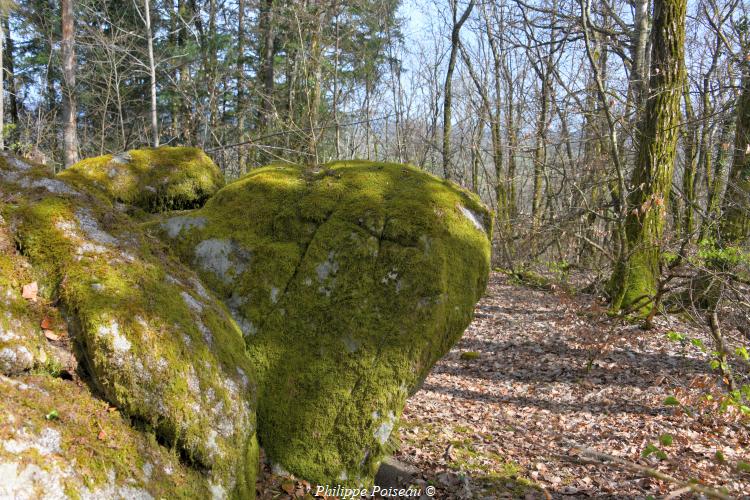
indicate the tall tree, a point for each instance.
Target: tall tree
{"x":151,"y":72}
{"x":458,"y":22}
{"x":267,"y":63}
{"x":10,"y":72}
{"x":241,"y":90}
{"x":635,"y":279}
{"x":735,"y":223}
{"x":69,"y":111}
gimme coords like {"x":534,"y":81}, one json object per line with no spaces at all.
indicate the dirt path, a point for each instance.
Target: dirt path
{"x":510,"y":407}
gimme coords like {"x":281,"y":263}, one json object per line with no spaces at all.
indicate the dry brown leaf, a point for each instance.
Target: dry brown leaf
{"x":30,"y":290}
{"x":50,"y":335}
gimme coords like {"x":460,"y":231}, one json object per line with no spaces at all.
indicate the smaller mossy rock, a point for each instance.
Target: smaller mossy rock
{"x":59,"y":441}
{"x":153,"y":179}
{"x":154,"y":342}
{"x":349,"y":281}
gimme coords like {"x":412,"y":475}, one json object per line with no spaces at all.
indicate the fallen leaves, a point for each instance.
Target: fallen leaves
{"x":46,"y":323}
{"x":550,"y":371}
{"x":548,"y":378}
{"x":50,"y":335}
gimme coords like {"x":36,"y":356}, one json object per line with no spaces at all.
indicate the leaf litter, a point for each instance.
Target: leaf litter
{"x":539,"y":378}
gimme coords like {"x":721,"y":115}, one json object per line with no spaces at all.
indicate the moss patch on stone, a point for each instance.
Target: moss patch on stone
{"x":155,"y":343}
{"x":23,"y":347}
{"x":349,"y":281}
{"x":153,"y":179}
{"x":86,"y":450}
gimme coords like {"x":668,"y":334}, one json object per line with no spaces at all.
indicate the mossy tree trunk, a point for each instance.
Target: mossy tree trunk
{"x":691,"y":166}
{"x":734,"y":228}
{"x":635,"y":279}
{"x":715,"y":183}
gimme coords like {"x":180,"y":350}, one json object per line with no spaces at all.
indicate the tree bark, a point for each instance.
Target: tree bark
{"x":70,"y":134}
{"x":2,"y":91}
{"x":690,"y":169}
{"x":152,"y":74}
{"x":735,"y":223}
{"x":240,"y":105}
{"x":267,"y":52}
{"x":447,"y":88}
{"x":10,"y":73}
{"x":636,"y":277}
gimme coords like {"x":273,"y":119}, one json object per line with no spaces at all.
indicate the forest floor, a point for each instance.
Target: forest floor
{"x":540,"y":379}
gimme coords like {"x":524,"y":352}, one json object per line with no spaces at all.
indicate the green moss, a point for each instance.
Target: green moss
{"x":349,"y":281}
{"x":154,"y":179}
{"x":633,"y":283}
{"x":87,"y":448}
{"x":469,"y":355}
{"x":153,"y":341}
{"x":22,"y":346}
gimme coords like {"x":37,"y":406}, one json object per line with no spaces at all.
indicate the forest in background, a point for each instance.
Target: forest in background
{"x":610,"y":139}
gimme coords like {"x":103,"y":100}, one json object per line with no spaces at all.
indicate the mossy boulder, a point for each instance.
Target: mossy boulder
{"x":153,"y":179}
{"x":349,"y":281}
{"x":153,"y":342}
{"x":59,"y":441}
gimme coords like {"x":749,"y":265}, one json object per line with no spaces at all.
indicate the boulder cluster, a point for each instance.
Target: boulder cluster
{"x":159,"y":326}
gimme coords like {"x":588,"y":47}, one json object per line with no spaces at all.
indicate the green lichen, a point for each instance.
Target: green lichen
{"x":154,"y":179}
{"x":349,"y":281}
{"x":154,"y":342}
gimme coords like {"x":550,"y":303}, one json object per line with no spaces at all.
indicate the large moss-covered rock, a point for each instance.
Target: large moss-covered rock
{"x":59,"y":441}
{"x":153,"y":341}
{"x":349,"y":281}
{"x":153,"y":179}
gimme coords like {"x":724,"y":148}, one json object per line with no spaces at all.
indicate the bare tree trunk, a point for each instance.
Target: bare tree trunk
{"x":335,"y":103}
{"x":152,"y":74}
{"x":512,"y":127}
{"x":242,"y":160}
{"x":70,"y":135}
{"x":540,"y":151}
{"x":639,"y":41}
{"x":314,"y":93}
{"x":266,"y":62}
{"x":447,"y":88}
{"x":2,"y":91}
{"x":10,"y":74}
